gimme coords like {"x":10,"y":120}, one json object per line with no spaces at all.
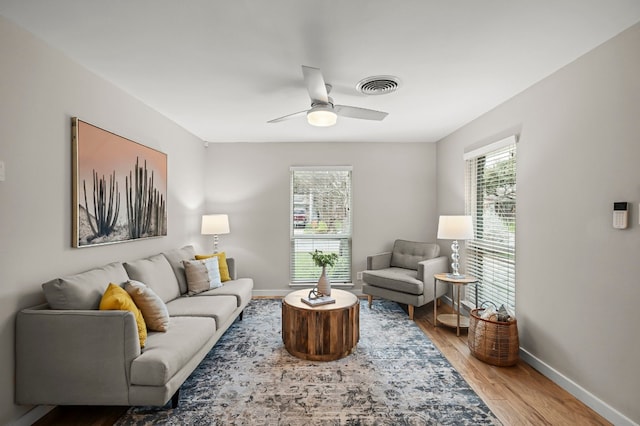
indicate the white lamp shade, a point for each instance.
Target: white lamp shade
{"x":215,"y":224}
{"x":455,"y":228}
{"x":321,"y":116}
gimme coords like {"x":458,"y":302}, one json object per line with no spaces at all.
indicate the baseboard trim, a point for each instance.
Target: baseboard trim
{"x":595,"y":403}
{"x":33,"y":415}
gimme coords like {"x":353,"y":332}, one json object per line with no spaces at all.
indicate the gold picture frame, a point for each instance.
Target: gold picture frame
{"x":105,"y":166}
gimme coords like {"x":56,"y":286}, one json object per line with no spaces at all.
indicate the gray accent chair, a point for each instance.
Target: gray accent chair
{"x":405,"y":274}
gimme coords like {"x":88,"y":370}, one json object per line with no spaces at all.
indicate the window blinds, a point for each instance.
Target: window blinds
{"x":320,"y":219}
{"x":490,"y":186}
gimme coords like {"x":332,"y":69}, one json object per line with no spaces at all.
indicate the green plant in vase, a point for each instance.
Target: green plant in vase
{"x":323,"y":260}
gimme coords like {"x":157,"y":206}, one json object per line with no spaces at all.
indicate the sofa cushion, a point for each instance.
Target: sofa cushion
{"x":166,"y":353}
{"x":115,"y":298}
{"x":397,"y":279}
{"x":220,"y":308}
{"x":407,"y":254}
{"x":222,"y":264}
{"x":84,"y":290}
{"x":175,"y":258}
{"x":241,"y":289}
{"x":153,"y":309}
{"x":202,"y":275}
{"x":157,"y":274}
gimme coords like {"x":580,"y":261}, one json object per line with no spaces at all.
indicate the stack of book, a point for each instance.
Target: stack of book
{"x":321,"y":300}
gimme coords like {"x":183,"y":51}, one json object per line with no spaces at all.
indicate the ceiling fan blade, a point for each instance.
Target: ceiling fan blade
{"x":362,"y":113}
{"x":315,"y":84}
{"x":287,"y":117}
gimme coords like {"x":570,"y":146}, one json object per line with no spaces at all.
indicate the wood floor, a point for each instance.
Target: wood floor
{"x":517,"y":395}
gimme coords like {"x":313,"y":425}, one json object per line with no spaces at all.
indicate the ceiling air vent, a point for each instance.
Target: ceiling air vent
{"x":378,"y":85}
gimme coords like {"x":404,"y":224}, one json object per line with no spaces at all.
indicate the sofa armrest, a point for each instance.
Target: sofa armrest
{"x":427,"y":268}
{"x":379,"y":261}
{"x":74,"y":357}
{"x":231,"y":263}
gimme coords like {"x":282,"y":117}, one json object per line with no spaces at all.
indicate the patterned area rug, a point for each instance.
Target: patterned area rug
{"x":396,"y":376}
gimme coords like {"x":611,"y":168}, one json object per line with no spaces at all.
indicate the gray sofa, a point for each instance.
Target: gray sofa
{"x":405,"y":274}
{"x":70,"y":353}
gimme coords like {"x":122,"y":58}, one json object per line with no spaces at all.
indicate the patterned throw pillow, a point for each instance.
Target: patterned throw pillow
{"x":222,"y":263}
{"x":202,"y":275}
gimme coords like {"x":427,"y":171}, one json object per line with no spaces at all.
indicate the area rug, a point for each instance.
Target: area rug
{"x":396,"y":376}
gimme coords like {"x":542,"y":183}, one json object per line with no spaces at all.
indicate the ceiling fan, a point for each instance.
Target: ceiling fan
{"x":323,"y":111}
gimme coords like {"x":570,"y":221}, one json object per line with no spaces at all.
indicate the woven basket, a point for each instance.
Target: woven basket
{"x":494,"y":342}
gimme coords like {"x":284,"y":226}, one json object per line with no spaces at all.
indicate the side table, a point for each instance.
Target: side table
{"x":321,"y":333}
{"x":452,"y":320}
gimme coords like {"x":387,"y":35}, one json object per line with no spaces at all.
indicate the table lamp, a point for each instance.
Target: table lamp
{"x":455,"y":228}
{"x":215,"y":224}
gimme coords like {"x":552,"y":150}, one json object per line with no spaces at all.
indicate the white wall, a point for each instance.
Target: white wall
{"x":393,"y":197}
{"x":578,"y":289}
{"x":40,"y":90}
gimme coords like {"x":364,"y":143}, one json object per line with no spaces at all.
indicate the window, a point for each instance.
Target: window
{"x":320,"y":220}
{"x":490,"y":198}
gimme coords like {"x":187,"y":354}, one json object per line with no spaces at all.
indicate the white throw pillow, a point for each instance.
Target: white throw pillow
{"x":213,"y":269}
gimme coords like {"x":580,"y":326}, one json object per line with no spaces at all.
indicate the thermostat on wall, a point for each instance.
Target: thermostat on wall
{"x":620,"y":214}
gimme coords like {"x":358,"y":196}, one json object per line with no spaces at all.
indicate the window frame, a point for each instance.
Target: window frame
{"x":487,"y":256}
{"x":320,"y":240}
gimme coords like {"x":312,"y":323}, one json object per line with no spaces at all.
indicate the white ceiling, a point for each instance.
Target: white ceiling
{"x":222,"y":68}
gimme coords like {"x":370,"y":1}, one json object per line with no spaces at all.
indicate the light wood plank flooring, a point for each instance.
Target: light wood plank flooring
{"x":517,"y":395}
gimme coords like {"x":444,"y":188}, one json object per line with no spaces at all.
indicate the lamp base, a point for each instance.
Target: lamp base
{"x":455,"y":259}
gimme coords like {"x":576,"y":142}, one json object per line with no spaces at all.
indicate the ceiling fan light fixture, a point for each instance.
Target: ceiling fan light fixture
{"x":321,"y":116}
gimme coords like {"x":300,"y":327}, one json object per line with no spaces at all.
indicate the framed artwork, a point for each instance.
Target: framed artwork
{"x":119,"y":188}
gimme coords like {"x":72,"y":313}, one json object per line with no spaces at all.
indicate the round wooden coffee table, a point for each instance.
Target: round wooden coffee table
{"x":320,"y":333}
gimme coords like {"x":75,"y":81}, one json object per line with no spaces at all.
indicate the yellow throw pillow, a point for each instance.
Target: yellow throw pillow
{"x":222,"y":264}
{"x":115,"y":298}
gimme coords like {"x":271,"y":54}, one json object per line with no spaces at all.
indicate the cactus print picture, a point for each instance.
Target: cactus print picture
{"x":119,"y":188}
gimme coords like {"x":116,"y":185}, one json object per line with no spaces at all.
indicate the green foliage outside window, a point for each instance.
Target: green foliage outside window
{"x":500,"y":188}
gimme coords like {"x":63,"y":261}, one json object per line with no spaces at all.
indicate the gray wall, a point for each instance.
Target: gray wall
{"x":40,"y":90}
{"x":577,"y":277}
{"x":393,"y":197}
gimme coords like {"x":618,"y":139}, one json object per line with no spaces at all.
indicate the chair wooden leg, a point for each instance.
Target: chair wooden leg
{"x":370,"y":299}
{"x":411,"y":312}
{"x":438,"y":302}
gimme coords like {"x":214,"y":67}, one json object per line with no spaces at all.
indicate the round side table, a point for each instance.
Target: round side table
{"x":320,"y":333}
{"x":452,"y":320}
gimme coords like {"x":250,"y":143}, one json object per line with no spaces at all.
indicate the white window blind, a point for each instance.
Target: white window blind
{"x":320,"y":217}
{"x":490,"y":185}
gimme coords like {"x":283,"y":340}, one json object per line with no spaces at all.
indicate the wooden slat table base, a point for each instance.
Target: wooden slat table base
{"x":322,"y":333}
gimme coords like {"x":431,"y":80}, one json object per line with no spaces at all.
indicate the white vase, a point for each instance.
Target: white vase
{"x":324,"y":285}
